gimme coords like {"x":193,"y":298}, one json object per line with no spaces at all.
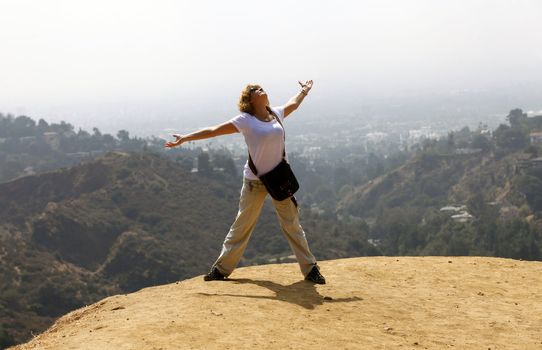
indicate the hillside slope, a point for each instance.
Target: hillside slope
{"x":479,"y":204}
{"x":368,"y":303}
{"x":431,"y":180}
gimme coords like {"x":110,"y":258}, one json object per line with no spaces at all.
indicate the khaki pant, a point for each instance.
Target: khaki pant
{"x":251,"y":202}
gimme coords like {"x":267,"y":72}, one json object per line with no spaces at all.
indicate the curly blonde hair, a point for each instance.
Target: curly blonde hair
{"x":244,"y":100}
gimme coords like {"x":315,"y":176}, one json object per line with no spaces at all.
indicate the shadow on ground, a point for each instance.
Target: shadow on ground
{"x":302,"y":293}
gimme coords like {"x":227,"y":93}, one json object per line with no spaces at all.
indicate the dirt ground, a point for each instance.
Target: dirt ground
{"x":367,"y":303}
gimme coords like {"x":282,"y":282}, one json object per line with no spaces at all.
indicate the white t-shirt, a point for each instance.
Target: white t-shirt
{"x":265,"y":141}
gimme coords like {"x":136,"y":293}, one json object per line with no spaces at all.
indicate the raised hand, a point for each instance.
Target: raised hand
{"x":177,"y":142}
{"x":306,"y":87}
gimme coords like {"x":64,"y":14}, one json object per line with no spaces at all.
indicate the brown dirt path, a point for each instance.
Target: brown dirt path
{"x":368,"y":303}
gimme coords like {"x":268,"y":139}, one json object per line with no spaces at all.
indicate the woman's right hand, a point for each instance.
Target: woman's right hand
{"x":177,"y":142}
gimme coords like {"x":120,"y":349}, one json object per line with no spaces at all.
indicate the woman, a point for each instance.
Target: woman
{"x":264,"y":136}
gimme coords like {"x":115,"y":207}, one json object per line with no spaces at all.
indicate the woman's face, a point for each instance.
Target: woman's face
{"x":258,"y":95}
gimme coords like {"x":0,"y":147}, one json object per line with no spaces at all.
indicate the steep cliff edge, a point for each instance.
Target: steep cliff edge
{"x":368,"y":303}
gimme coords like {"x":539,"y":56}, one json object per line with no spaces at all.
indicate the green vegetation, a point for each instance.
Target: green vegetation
{"x":27,"y":147}
{"x":498,"y":179}
{"x":136,"y":216}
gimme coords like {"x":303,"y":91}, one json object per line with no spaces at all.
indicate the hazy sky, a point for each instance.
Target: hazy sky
{"x":56,"y":52}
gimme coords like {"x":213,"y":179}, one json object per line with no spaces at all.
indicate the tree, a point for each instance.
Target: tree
{"x":511,"y":138}
{"x":451,"y":140}
{"x":224,"y":162}
{"x":185,"y":162}
{"x":481,"y":142}
{"x":324,"y":194}
{"x":531,"y":187}
{"x":23,"y":126}
{"x":83,"y":134}
{"x":109,"y":141}
{"x":516,"y":118}
{"x":204,"y":165}
{"x":43,"y":126}
{"x":62,"y":128}
{"x":516,"y":239}
{"x":5,"y":125}
{"x":123,"y":135}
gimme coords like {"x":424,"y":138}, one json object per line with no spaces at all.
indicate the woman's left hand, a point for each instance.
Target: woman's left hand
{"x":307,"y":86}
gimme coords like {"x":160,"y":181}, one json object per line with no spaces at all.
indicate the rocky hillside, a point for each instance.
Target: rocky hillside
{"x":368,"y":303}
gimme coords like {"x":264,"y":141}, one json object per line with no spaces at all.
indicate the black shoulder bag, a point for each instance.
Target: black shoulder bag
{"x":279,"y":182}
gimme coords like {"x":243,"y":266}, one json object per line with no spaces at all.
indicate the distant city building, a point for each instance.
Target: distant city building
{"x":529,"y":163}
{"x":486,"y":133}
{"x":454,"y":209}
{"x":29,"y":170}
{"x":467,"y":150}
{"x":376,"y":136}
{"x":417,"y":135}
{"x":52,"y":139}
{"x":462,"y":217}
{"x":462,"y":214}
{"x":536,"y":138}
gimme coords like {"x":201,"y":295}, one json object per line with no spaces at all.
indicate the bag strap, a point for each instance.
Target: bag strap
{"x":250,"y":162}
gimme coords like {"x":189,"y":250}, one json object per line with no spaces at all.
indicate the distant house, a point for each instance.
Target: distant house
{"x":462,"y":214}
{"x":85,"y":155}
{"x":486,"y":133}
{"x":52,"y":139}
{"x":451,"y":208}
{"x":536,"y":138}
{"x":529,"y":163}
{"x":462,"y":217}
{"x":421,"y":134}
{"x":467,"y":150}
{"x":376,"y":137}
{"x":29,"y":170}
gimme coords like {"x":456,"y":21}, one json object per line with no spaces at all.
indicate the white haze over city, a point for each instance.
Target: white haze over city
{"x":150,"y":66}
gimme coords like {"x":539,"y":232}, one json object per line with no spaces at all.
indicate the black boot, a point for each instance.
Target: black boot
{"x":315,"y":276}
{"x":214,"y":275}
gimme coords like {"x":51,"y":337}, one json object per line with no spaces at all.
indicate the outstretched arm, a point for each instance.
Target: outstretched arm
{"x":206,"y":133}
{"x":295,"y":101}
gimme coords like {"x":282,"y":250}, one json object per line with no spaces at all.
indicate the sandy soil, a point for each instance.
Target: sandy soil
{"x":368,"y":303}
